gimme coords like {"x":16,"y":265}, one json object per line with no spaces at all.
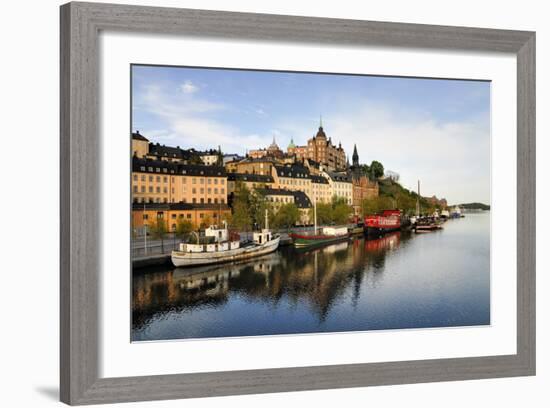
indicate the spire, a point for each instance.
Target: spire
{"x":355,"y":157}
{"x":321,"y":121}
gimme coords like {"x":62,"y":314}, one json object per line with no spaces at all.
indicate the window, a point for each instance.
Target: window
{"x":202,"y":180}
{"x":223,"y":190}
{"x":158,"y":189}
{"x":135,"y":177}
{"x":202,"y":200}
{"x":209,"y":181}
{"x":202,"y":190}
{"x":201,"y":215}
{"x":173,"y":216}
{"x":222,"y":200}
{"x":135,"y":189}
{"x":188,"y":216}
{"x":215,"y":181}
{"x":222,"y":181}
{"x":209,"y":190}
{"x":209,"y":201}
{"x":194,"y":200}
{"x":194,"y":180}
{"x":145,"y":216}
{"x":216,"y":190}
{"x":158,"y":179}
{"x":164,"y":190}
{"x":194,"y":190}
{"x":165,"y":179}
{"x":215,"y":201}
{"x":150,"y":179}
{"x":150,"y":189}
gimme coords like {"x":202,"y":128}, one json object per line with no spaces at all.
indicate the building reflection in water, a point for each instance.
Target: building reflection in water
{"x":317,"y":277}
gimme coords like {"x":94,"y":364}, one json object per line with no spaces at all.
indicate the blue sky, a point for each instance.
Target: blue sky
{"x":437,"y":131}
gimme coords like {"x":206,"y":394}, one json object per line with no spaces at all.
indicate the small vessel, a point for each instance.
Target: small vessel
{"x":388,"y":221}
{"x":456,"y":212}
{"x":324,"y":236}
{"x":427,"y":224}
{"x":445,"y":214}
{"x":218,"y":246}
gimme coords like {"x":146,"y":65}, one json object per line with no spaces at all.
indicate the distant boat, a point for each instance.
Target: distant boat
{"x":218,"y":246}
{"x":426,"y":224}
{"x":388,"y":221}
{"x":456,"y":212}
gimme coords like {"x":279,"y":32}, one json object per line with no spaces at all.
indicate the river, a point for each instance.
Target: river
{"x":402,"y":280}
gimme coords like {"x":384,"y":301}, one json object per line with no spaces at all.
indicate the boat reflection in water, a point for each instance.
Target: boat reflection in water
{"x":351,"y":285}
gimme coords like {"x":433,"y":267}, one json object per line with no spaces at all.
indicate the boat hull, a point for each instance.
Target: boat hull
{"x":183,"y":259}
{"x":373,"y":231}
{"x":301,"y":241}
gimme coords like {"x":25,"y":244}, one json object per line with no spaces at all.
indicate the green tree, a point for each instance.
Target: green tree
{"x":241,"y":218}
{"x":324,"y":214}
{"x":376,"y":169}
{"x":287,"y":216}
{"x":183,"y":227}
{"x":206,"y":221}
{"x":258,"y":205}
{"x":158,"y":230}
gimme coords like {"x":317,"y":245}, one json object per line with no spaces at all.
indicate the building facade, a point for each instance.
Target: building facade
{"x":279,"y":197}
{"x":170,"y":214}
{"x":159,"y":181}
{"x":293,"y":177}
{"x":362,"y":187}
{"x":320,"y":149}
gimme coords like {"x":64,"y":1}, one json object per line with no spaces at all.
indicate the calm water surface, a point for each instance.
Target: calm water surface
{"x":402,"y":280}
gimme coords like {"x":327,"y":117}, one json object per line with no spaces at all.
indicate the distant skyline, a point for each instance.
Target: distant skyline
{"x":437,"y":131}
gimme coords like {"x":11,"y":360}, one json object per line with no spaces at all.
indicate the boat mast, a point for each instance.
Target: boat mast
{"x":418,"y":201}
{"x":315,"y":216}
{"x":266,"y":220}
{"x":144,"y":230}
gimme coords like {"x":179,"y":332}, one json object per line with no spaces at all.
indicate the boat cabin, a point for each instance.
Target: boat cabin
{"x":262,"y":237}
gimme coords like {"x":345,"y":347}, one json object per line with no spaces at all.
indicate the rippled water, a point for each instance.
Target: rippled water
{"x":402,"y":280}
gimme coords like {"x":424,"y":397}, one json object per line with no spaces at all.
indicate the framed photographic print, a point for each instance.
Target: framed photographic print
{"x":260,"y":203}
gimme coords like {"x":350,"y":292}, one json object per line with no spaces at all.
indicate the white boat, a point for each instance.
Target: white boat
{"x":219,"y":247}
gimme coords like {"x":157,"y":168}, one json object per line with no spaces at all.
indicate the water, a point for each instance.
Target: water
{"x":403,"y":280}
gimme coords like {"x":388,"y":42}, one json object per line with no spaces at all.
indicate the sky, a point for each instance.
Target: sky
{"x":433,"y":130}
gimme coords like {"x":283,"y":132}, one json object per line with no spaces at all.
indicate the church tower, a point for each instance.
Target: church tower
{"x":355,"y":157}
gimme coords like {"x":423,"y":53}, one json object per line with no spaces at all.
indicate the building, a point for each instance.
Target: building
{"x":320,"y":149}
{"x":160,"y":181}
{"x":294,"y":177}
{"x":340,"y":185}
{"x":199,"y":215}
{"x":212,"y":157}
{"x":320,"y":189}
{"x":362,"y":187}
{"x":273,"y":150}
{"x":250,"y":165}
{"x":251,"y":181}
{"x":278,"y":197}
{"x":143,"y":149}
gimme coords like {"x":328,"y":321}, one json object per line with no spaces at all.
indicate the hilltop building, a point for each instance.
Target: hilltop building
{"x":320,"y":149}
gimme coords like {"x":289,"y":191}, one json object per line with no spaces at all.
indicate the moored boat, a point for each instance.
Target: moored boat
{"x":427,"y":224}
{"x":325,"y":236}
{"x":218,"y":246}
{"x":388,"y":221}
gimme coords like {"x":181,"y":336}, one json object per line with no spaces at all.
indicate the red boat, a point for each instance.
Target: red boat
{"x":389,"y":220}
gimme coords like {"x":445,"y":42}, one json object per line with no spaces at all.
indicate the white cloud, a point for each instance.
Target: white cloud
{"x":188,"y":87}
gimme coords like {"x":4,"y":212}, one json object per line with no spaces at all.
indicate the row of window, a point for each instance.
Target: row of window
{"x":158,"y":200}
{"x":183,"y":180}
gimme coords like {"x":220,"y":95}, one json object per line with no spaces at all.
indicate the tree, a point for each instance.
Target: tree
{"x":183,"y":227}
{"x":241,"y":218}
{"x":341,"y":212}
{"x":287,"y":216}
{"x":258,"y":205}
{"x":158,"y":230}
{"x":206,"y":221}
{"x":376,"y":169}
{"x":324,"y":214}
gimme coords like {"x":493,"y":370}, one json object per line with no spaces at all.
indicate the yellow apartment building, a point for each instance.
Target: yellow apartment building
{"x":251,"y":181}
{"x":293,"y":177}
{"x":278,"y":197}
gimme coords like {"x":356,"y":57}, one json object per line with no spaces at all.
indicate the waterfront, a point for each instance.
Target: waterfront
{"x":401,"y":280}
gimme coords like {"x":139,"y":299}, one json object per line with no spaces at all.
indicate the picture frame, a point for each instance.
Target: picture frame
{"x":80,"y":233}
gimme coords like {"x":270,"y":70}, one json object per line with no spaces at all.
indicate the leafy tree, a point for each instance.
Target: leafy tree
{"x":158,"y":230}
{"x":324,"y":213}
{"x":183,"y":227}
{"x":206,"y":221}
{"x":376,"y":169}
{"x":241,"y":218}
{"x":258,"y":205}
{"x":287,"y":216}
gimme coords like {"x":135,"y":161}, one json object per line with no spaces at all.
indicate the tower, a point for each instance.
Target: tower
{"x":355,"y":157}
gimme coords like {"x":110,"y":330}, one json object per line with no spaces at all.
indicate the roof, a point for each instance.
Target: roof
{"x":318,"y":179}
{"x":157,"y":149}
{"x":139,"y":136}
{"x":177,"y":206}
{"x":293,"y":171}
{"x":342,"y":177}
{"x":260,"y":178}
{"x":300,"y":198}
{"x":156,"y":166}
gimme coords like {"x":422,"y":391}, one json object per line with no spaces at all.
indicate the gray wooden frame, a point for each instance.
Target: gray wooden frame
{"x":80,"y":192}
